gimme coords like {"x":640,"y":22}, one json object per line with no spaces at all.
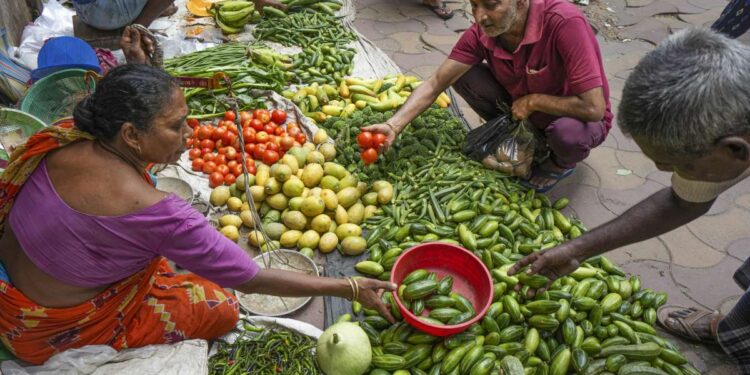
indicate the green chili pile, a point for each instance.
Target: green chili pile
{"x":265,"y":352}
{"x":304,"y":29}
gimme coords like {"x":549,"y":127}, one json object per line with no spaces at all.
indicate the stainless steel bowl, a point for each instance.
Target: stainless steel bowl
{"x":261,"y":304}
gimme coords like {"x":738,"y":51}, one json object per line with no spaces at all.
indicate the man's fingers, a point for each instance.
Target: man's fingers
{"x":148,"y":43}
{"x":385,"y":312}
{"x":538,"y":265}
{"x":525,"y":261}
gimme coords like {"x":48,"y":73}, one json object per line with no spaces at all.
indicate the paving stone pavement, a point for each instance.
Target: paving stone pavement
{"x":693,"y":264}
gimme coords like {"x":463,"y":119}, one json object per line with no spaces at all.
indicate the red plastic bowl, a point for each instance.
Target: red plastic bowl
{"x":470,"y":279}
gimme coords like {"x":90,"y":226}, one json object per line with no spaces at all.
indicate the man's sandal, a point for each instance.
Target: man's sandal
{"x":679,"y":321}
{"x":441,"y":10}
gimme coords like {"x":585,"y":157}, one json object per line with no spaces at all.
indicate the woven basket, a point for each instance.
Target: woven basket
{"x":55,"y":96}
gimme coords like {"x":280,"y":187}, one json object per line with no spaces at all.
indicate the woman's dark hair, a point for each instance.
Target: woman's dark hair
{"x":133,"y":93}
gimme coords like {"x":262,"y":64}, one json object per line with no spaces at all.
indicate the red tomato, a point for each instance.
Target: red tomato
{"x":251,"y":169}
{"x":278,"y":116}
{"x":301,"y":138}
{"x":209,"y":156}
{"x":233,"y":129}
{"x":204,"y":132}
{"x":262,"y":114}
{"x":220,"y":159}
{"x":219,"y":144}
{"x":215,"y":179}
{"x":219,"y":133}
{"x":205,"y":151}
{"x":245,"y":116}
{"x":287,"y":142}
{"x":292,"y":125}
{"x":279,"y":131}
{"x":260,"y":149}
{"x":207,"y":143}
{"x":256,"y":124}
{"x":236,"y":170}
{"x":189,"y":143}
{"x":229,"y":116}
{"x":198,"y":165}
{"x":269,"y":128}
{"x":249,"y":135}
{"x":232,"y":163}
{"x":250,"y":148}
{"x":229,"y":179}
{"x":229,"y":138}
{"x":232,"y":154}
{"x":195,"y":153}
{"x":262,"y":137}
{"x":209,"y":167}
{"x":270,"y":157}
{"x":222,"y":151}
{"x":236,"y":143}
{"x":378,"y":139}
{"x":369,"y":156}
{"x":192,"y":123}
{"x":272,"y":146}
{"x":364,"y":140}
{"x":292,"y":131}
{"x":222,"y":168}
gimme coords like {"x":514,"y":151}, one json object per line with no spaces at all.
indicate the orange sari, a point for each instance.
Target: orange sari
{"x":153,"y":306}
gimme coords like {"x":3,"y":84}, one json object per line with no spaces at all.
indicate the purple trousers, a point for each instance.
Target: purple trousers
{"x":570,"y":139}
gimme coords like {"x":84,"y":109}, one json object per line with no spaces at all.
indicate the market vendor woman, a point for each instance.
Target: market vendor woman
{"x":541,"y":57}
{"x":86,"y":234}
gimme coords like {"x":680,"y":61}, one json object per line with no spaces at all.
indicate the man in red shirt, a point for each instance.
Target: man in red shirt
{"x":539,"y":56}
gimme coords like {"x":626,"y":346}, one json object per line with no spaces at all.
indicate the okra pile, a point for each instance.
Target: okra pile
{"x":305,"y":29}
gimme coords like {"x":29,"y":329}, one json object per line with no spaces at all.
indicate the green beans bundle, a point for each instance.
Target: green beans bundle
{"x":304,"y":29}
{"x":265,"y":352}
{"x":232,"y":59}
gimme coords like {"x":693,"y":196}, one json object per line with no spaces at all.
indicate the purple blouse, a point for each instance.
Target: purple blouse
{"x":95,"y":251}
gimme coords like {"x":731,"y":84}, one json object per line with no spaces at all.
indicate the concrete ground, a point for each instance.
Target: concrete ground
{"x":694,"y":264}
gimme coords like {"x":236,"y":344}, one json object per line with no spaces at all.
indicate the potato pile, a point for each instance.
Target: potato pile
{"x":305,"y":201}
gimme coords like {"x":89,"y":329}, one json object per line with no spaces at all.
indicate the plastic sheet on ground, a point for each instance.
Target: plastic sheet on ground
{"x":183,"y":358}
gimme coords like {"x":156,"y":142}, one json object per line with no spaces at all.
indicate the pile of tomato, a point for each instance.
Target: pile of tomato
{"x":215,"y":149}
{"x":369,"y":143}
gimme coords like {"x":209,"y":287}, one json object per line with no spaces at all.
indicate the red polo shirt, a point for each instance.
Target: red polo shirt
{"x":559,"y":55}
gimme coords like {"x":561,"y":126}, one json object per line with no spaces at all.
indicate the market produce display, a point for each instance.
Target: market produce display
{"x":232,"y":16}
{"x":320,"y":101}
{"x":304,"y":29}
{"x":344,"y":349}
{"x":305,"y":202}
{"x":265,"y":352}
{"x":215,"y":150}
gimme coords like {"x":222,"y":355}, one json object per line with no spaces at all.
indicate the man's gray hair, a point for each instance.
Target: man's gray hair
{"x":688,"y":93}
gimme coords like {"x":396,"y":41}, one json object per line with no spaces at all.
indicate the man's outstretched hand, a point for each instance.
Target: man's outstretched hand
{"x":553,"y":263}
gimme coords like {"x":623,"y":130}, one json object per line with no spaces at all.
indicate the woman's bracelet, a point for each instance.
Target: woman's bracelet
{"x":355,"y":288}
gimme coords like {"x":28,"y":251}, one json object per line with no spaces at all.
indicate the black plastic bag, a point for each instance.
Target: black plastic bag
{"x":503,"y":144}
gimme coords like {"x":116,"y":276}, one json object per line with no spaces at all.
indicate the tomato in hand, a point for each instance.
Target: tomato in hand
{"x":229,"y":116}
{"x":215,"y":179}
{"x":278,"y":116}
{"x":378,"y":139}
{"x":270,"y":157}
{"x":209,"y":167}
{"x":364,"y":140}
{"x":198,"y":164}
{"x":229,"y":179}
{"x":262,"y":114}
{"x":369,"y":156}
{"x":195,"y":153}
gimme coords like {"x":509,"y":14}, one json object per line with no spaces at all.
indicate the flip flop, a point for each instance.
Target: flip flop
{"x":546,"y":174}
{"x":683,"y":326}
{"x":440,"y":10}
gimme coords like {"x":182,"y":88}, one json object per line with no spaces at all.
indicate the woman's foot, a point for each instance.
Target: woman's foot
{"x":690,"y":323}
{"x":438,"y":7}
